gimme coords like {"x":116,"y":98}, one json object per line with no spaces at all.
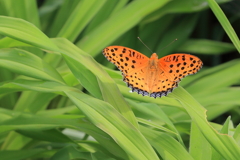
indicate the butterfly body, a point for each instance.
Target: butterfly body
{"x":151,"y":76}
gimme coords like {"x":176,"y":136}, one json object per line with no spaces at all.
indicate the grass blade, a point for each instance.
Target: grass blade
{"x":25,"y":32}
{"x":223,"y":144}
{"x":225,"y":23}
{"x":117,"y":24}
{"x":93,"y":78}
{"x":25,"y":63}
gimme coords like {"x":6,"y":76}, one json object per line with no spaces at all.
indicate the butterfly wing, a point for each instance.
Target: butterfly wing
{"x":176,"y":67}
{"x":131,"y":63}
{"x":172,"y":69}
{"x":125,"y":59}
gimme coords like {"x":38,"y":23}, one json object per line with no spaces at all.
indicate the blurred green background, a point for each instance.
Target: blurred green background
{"x":61,"y":99}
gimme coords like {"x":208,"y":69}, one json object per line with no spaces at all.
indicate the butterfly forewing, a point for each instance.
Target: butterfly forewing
{"x":127,"y":60}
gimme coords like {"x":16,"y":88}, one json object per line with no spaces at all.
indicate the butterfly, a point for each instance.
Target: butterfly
{"x":152,"y":76}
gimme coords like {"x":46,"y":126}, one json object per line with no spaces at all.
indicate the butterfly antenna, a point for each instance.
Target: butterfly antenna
{"x":144,"y":44}
{"x":168,"y":44}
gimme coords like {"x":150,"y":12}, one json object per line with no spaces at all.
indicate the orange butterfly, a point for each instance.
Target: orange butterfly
{"x":153,"y":76}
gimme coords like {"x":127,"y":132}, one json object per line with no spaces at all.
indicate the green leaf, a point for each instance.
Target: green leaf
{"x":225,"y":23}
{"x":224,"y":72}
{"x":199,"y":146}
{"x":109,"y":120}
{"x":160,"y":141}
{"x":20,"y":154}
{"x":27,"y":64}
{"x":223,"y":144}
{"x":205,"y":46}
{"x":82,"y":14}
{"x":21,"y":9}
{"x":118,"y":24}
{"x":69,"y":153}
{"x":26,"y":32}
{"x":51,"y":135}
{"x":109,"y":8}
{"x":93,"y":78}
{"x":154,"y":125}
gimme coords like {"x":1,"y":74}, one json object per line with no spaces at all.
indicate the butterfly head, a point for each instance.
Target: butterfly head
{"x":154,"y":56}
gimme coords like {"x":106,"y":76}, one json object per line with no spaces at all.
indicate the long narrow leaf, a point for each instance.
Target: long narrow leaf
{"x":224,"y":144}
{"x":26,"y":32}
{"x":225,"y":23}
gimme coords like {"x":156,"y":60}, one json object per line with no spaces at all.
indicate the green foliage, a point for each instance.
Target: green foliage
{"x":58,"y":101}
